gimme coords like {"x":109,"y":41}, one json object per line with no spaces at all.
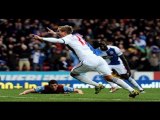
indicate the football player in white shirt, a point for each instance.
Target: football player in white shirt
{"x":117,"y":62}
{"x":88,"y":60}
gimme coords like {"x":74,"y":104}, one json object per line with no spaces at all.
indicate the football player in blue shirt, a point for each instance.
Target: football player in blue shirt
{"x":117,"y":62}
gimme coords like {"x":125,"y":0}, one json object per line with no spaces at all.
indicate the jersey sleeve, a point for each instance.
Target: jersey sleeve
{"x":54,"y":40}
{"x":68,"y":89}
{"x":118,"y":51}
{"x":66,"y":39}
{"x":39,"y":89}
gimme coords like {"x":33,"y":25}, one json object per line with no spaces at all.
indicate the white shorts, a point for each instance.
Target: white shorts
{"x":94,"y":63}
{"x":120,"y":69}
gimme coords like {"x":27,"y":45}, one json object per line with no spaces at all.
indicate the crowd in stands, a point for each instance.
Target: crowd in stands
{"x":139,"y":40}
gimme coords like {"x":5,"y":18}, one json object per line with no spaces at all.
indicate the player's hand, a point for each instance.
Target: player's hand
{"x":81,"y":93}
{"x":21,"y":93}
{"x":37,"y":37}
{"x":51,"y":31}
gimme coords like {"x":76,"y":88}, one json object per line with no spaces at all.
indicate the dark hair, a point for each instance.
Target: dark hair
{"x":52,"y":82}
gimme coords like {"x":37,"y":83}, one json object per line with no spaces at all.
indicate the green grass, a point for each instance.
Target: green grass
{"x":151,"y":95}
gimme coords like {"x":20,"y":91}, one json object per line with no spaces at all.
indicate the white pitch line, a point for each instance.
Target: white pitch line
{"x":86,"y":99}
{"x":54,"y":98}
{"x":108,"y":100}
{"x":15,"y":97}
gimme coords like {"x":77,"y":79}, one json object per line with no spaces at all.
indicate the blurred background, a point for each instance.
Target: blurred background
{"x":139,"y":40}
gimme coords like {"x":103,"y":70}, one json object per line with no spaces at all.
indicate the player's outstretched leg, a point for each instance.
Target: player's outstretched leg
{"x":83,"y":78}
{"x":124,"y":85}
{"x":133,"y":81}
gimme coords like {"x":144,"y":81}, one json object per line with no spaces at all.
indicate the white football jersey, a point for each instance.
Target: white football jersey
{"x":78,"y":45}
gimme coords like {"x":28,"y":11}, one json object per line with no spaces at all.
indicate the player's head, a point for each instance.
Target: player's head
{"x":53,"y":84}
{"x":102,"y":44}
{"x":64,"y":30}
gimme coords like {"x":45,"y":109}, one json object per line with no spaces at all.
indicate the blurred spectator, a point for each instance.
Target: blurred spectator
{"x":3,"y":66}
{"x":143,"y":62}
{"x":54,"y":57}
{"x":36,"y":56}
{"x":154,"y":62}
{"x":41,"y":60}
{"x":3,"y":50}
{"x":142,"y":36}
{"x":62,"y":64}
{"x":24,"y":55}
{"x":140,"y":43}
{"x":12,"y":60}
{"x":133,"y":58}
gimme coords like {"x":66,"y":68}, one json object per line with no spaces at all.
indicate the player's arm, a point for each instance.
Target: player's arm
{"x":52,"y":32}
{"x":121,"y":56}
{"x":125,"y":64}
{"x":27,"y":92}
{"x":54,"y":40}
{"x":34,"y":90}
{"x":70,"y":89}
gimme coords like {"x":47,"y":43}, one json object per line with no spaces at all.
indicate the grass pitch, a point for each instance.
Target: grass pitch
{"x":151,"y":95}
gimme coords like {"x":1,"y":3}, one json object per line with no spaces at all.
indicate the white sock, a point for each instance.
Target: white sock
{"x":112,"y":84}
{"x":84,"y":79}
{"x":135,"y":83}
{"x":121,"y":83}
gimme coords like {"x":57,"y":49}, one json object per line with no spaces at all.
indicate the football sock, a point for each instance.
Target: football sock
{"x":122,"y":84}
{"x":84,"y":79}
{"x":134,"y":83}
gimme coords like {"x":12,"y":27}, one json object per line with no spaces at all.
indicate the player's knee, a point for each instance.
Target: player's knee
{"x":108,"y":78}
